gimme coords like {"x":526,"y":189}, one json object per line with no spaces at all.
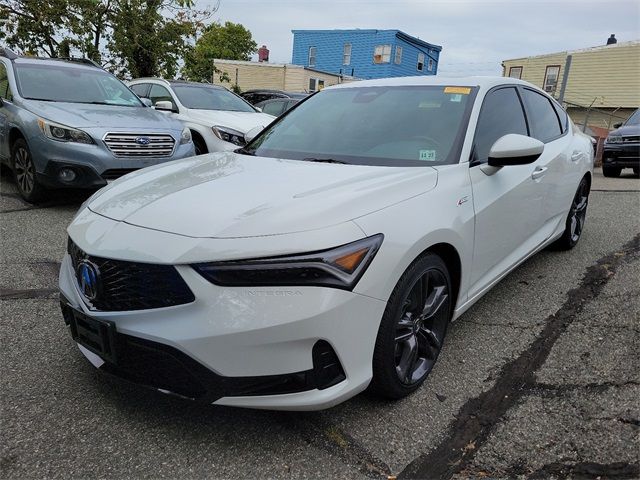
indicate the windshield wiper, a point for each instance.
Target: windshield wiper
{"x":324,"y":160}
{"x":39,"y":99}
{"x":245,"y":151}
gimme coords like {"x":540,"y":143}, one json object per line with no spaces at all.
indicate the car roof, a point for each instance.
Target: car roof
{"x":483,"y":82}
{"x":175,"y":82}
{"x":75,"y":63}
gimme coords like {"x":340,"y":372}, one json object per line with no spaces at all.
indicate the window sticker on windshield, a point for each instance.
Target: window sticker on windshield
{"x":428,"y":155}
{"x":455,"y":98}
{"x":429,"y":104}
{"x":460,"y":90}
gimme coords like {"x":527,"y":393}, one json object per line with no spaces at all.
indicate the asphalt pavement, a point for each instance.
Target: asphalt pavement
{"x":540,"y":379}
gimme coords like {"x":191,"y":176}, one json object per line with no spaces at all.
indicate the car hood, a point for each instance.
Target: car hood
{"x":81,"y":115}
{"x":227,"y":195}
{"x":241,"y":121}
{"x":626,"y":130}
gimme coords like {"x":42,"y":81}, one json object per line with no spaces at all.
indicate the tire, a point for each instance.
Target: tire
{"x":412,"y":329}
{"x":24,"y":172}
{"x":200,"y":145}
{"x":576,"y":218}
{"x":611,"y":171}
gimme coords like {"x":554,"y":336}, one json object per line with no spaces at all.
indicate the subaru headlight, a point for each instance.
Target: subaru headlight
{"x":229,"y":135}
{"x":614,"y":139}
{"x":185,"y":136}
{"x":339,"y":267}
{"x":62,"y":133}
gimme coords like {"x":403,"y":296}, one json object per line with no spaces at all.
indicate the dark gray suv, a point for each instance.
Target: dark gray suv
{"x":70,"y":123}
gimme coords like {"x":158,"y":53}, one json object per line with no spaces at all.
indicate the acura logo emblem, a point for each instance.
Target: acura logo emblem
{"x":88,"y":279}
{"x":143,"y":140}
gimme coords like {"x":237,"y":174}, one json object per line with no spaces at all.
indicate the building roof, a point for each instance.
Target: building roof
{"x":400,"y":34}
{"x":581,"y":50}
{"x":274,"y":65}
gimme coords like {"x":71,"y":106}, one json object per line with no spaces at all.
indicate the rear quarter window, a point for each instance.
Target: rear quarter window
{"x":542,"y":116}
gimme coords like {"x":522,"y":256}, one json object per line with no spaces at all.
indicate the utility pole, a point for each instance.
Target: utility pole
{"x":565,"y":77}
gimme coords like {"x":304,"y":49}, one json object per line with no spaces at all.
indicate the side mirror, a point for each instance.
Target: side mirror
{"x":146,"y":102}
{"x":164,"y":106}
{"x":617,"y":125}
{"x":514,"y":149}
{"x":253,"y":133}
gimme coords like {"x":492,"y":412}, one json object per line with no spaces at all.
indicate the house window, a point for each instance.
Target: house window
{"x":382,"y":54}
{"x":551,"y":78}
{"x":346,"y":54}
{"x":430,"y":65}
{"x":398,"y":57}
{"x":420,"y":66}
{"x":315,"y":84}
{"x":312,"y":56}
{"x":515,"y":72}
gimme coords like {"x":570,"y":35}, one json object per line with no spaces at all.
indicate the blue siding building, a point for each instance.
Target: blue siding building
{"x":365,"y":53}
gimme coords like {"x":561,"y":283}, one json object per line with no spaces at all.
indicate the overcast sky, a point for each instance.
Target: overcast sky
{"x":475,"y":35}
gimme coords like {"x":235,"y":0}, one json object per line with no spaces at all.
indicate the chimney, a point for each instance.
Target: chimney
{"x":263,"y":54}
{"x":612,"y":39}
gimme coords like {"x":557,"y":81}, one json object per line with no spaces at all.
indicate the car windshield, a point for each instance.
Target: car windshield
{"x":634,"y":119}
{"x":66,"y":83}
{"x":391,"y":125}
{"x":204,"y":97}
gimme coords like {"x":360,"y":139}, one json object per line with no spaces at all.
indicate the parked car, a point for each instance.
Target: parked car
{"x":329,"y":254}
{"x":256,"y":96}
{"x":70,"y":123}
{"x":277,"y":106}
{"x":217,"y":118}
{"x":622,"y":147}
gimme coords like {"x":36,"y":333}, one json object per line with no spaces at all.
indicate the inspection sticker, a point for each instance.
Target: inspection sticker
{"x":428,"y":155}
{"x":455,"y":98}
{"x":460,"y":90}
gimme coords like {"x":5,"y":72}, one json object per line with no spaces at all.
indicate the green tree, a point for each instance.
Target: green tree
{"x":230,"y":41}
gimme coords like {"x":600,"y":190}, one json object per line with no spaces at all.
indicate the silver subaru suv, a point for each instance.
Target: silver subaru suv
{"x":70,"y":124}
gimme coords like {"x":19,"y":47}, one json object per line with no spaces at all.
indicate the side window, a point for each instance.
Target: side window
{"x":542,"y":117}
{"x":274,"y":108}
{"x":312,"y":56}
{"x":562,"y":115}
{"x":5,"y":89}
{"x":140,"y":89}
{"x":160,"y":94}
{"x":500,"y":115}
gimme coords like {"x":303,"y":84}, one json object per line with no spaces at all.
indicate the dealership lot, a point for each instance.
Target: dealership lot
{"x":540,"y":378}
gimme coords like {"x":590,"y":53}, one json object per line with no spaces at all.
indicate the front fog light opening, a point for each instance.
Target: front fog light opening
{"x":327,"y":368}
{"x":67,"y":175}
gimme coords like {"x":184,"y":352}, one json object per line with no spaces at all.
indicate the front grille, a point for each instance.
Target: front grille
{"x":140,"y":145}
{"x":116,"y":173}
{"x":631,"y":139}
{"x":132,"y":286}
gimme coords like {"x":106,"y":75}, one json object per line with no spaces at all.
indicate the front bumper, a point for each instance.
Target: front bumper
{"x":243,"y":347}
{"x":93,"y":164}
{"x":621,"y":155}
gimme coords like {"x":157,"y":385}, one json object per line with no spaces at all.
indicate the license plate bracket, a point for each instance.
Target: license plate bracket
{"x":98,"y":336}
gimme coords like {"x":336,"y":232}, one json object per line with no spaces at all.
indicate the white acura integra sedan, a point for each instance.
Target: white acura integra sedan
{"x":330,"y":253}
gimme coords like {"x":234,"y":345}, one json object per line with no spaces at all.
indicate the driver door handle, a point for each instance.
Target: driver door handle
{"x":576,"y":156}
{"x":539,"y":172}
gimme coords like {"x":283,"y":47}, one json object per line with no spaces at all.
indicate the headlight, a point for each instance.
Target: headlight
{"x":229,"y":135}
{"x":339,"y":267}
{"x":62,"y":133}
{"x":185,"y":136}
{"x":614,"y":139}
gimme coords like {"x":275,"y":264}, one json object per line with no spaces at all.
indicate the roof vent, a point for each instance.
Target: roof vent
{"x":612,"y":39}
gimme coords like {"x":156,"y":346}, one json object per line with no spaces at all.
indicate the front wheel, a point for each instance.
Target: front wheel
{"x":412,"y":329}
{"x":576,"y":218}
{"x":24,"y":172}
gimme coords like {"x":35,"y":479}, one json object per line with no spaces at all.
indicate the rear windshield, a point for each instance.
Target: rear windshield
{"x":397,"y":126}
{"x":207,"y":98}
{"x":75,"y":85}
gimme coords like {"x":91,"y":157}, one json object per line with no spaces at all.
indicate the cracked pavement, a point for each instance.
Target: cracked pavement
{"x":540,"y":379}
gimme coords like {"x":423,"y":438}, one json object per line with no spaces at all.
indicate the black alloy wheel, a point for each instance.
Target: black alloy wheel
{"x":25,"y":172}
{"x":576,"y":218}
{"x":413,"y":328}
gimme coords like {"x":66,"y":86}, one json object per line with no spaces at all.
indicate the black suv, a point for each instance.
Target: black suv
{"x":622,"y":147}
{"x":260,"y":95}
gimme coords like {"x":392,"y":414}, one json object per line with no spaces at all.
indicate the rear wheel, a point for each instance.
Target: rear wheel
{"x":412,"y":329}
{"x":611,"y":171}
{"x":576,"y":218}
{"x":24,"y":172}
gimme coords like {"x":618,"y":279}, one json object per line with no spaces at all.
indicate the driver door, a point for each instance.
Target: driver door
{"x":507,"y":201}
